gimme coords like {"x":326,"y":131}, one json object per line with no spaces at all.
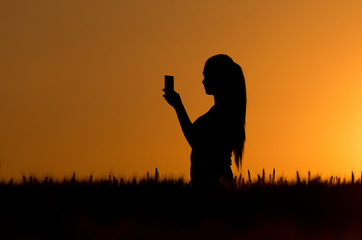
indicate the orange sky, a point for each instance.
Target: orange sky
{"x":80,"y":83}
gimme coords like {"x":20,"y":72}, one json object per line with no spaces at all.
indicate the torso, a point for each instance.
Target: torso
{"x":211,"y":147}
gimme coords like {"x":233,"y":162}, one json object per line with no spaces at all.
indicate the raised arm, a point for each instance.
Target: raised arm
{"x":174,"y":99}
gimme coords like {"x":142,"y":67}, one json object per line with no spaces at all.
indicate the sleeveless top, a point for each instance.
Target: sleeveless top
{"x":211,"y":147}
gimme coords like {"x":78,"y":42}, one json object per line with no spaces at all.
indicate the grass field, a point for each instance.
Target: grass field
{"x":154,"y":208}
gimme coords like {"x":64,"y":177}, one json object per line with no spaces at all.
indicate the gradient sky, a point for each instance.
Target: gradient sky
{"x":81,"y":81}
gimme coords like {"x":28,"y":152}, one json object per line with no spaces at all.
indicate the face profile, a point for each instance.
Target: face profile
{"x":209,"y":83}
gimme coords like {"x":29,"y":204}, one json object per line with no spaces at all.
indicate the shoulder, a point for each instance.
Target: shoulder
{"x":206,"y":116}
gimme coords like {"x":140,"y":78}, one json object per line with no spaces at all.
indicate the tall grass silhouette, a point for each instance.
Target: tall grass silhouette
{"x":156,"y":207}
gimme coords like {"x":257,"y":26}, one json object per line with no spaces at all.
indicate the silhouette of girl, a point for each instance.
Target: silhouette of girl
{"x":220,"y":132}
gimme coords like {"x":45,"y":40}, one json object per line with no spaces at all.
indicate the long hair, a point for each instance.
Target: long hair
{"x":232,"y":86}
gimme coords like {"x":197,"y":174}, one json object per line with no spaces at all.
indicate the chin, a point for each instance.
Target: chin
{"x":208,"y":92}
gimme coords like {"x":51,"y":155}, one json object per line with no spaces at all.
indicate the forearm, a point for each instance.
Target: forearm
{"x":185,"y":123}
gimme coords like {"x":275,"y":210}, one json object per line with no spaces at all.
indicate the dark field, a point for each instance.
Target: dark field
{"x":171,"y":209}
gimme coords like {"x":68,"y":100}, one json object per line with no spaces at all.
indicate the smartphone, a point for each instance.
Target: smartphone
{"x":169,"y":83}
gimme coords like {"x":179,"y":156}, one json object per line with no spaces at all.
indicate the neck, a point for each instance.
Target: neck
{"x":220,"y":101}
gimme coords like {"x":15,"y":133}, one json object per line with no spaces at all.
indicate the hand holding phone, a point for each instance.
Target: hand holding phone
{"x":172,"y":97}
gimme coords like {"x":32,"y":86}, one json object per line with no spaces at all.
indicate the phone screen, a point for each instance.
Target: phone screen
{"x":169,"y":82}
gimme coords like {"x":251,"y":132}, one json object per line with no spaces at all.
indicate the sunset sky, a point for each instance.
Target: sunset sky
{"x":81,"y":84}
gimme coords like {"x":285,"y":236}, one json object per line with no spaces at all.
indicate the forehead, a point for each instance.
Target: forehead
{"x":211,"y":69}
{"x":208,"y":68}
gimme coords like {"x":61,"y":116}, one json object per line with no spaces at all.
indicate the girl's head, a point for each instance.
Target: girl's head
{"x":222,"y":76}
{"x":225,"y":79}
